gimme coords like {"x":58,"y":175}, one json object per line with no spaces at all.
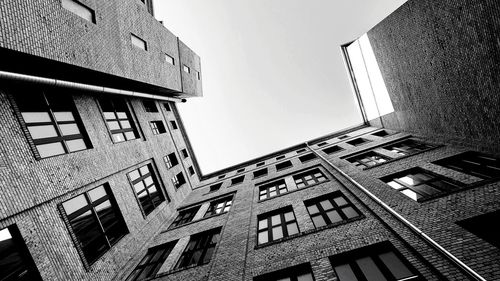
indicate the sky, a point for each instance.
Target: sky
{"x":272,"y":71}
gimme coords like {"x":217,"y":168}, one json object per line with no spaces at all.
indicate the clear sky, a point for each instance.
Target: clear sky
{"x":273,"y":74}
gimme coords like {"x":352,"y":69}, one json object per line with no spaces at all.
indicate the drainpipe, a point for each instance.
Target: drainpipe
{"x":469,"y":271}
{"x":81,"y":86}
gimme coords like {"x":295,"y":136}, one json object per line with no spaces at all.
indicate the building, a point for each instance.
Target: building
{"x":99,"y":180}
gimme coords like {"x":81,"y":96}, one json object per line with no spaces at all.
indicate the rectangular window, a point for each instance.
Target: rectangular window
{"x":185,"y":216}
{"x":237,"y":180}
{"x":138,"y":42}
{"x":198,"y":75}
{"x":473,"y":163}
{"x":149,"y":106}
{"x":118,"y":119}
{"x":368,"y":159}
{"x":343,"y":137}
{"x":157,"y":127}
{"x":260,"y":164}
{"x":200,"y":249}
{"x":309,"y":178}
{"x":358,"y":141}
{"x":184,"y":153}
{"x":95,"y":221}
{"x":272,"y":189}
{"x":167,"y":106}
{"x":408,"y":147}
{"x":215,"y":187}
{"x":240,"y":170}
{"x":280,"y":157}
{"x":169,"y":59}
{"x":151,"y":262}
{"x":301,"y":272}
{"x":15,"y":259}
{"x":419,"y":184}
{"x":322,"y":144}
{"x":332,"y":149}
{"x":381,"y":133}
{"x":79,"y":9}
{"x":173,"y":125}
{"x":221,"y":177}
{"x":260,"y":173}
{"x":219,"y":206}
{"x":483,"y":227}
{"x":300,"y":151}
{"x":307,"y":157}
{"x":178,"y":180}
{"x":376,"y":262}
{"x":186,"y":68}
{"x":191,"y":170}
{"x":283,"y":165}
{"x":171,"y":160}
{"x":147,"y":188}
{"x":330,"y":209}
{"x":53,"y":123}
{"x":276,"y":225}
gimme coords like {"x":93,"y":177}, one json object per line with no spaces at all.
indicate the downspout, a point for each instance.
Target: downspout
{"x":81,"y":86}
{"x":469,"y":271}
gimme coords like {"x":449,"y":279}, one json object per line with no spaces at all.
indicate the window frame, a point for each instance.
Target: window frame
{"x":335,"y":207}
{"x":169,"y":161}
{"x":337,"y":148}
{"x":466,"y":157}
{"x":359,"y":141}
{"x":236,"y":180}
{"x":227,"y":202}
{"x":278,"y":189}
{"x":307,"y":157}
{"x":146,"y":261}
{"x":280,"y":166}
{"x":260,"y":173}
{"x":134,"y":128}
{"x":205,"y":236}
{"x":184,"y":153}
{"x":157,"y":127}
{"x":173,"y":125}
{"x":413,"y":149}
{"x":212,"y":187}
{"x":176,"y":180}
{"x":184,"y":216}
{"x":149,"y":105}
{"x":283,"y":225}
{"x":303,"y":177}
{"x":363,"y":165}
{"x":155,"y":182}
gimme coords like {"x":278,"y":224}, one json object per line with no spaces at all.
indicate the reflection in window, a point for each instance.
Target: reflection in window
{"x":95,"y":221}
{"x":309,"y":178}
{"x":118,"y":119}
{"x":276,"y":225}
{"x":200,"y":249}
{"x":408,"y":147}
{"x":272,"y":189}
{"x":151,"y":262}
{"x":219,"y":206}
{"x":368,"y":159}
{"x":146,"y":187}
{"x":330,"y":209}
{"x":53,"y":123}
{"x":185,"y":216}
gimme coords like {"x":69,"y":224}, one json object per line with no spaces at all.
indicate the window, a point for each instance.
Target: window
{"x":358,"y":141}
{"x":146,"y":188}
{"x":408,"y":147}
{"x":170,"y":60}
{"x":284,"y":165}
{"x":330,"y":209}
{"x":280,"y":157}
{"x":118,"y":119}
{"x":186,"y":68}
{"x":215,"y":187}
{"x":307,"y":157}
{"x":171,"y":160}
{"x":372,"y":263}
{"x":79,"y":9}
{"x":149,"y":5}
{"x":343,"y":137}
{"x":173,"y":124}
{"x":149,"y":106}
{"x":419,"y":184}
{"x":309,"y":178}
{"x":185,"y":216}
{"x":276,"y":225}
{"x":301,"y":150}
{"x":219,"y":206}
{"x":191,"y":170}
{"x":301,"y":272}
{"x":178,"y":180}
{"x":322,"y":144}
{"x":240,"y":170}
{"x":151,"y":262}
{"x":157,"y":127}
{"x":138,"y":42}
{"x":272,"y":189}
{"x":237,"y":180}
{"x":95,"y":221}
{"x":53,"y":123}
{"x":368,"y":159}
{"x":332,"y":149}
{"x":260,"y":164}
{"x":473,"y":163}
{"x":184,"y":153}
{"x":260,"y":173}
{"x":482,"y":226}
{"x":382,"y":134}
{"x":200,"y":249}
{"x":15,"y":258}
{"x":198,"y":75}
{"x":221,"y":176}
{"x":167,"y":106}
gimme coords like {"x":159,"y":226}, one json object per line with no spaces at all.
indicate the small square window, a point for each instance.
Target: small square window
{"x":157,"y":127}
{"x":307,"y":157}
{"x":260,"y":164}
{"x":332,"y":149}
{"x":173,"y":124}
{"x":301,"y":150}
{"x":358,"y":141}
{"x":221,"y":176}
{"x":167,"y":106}
{"x":169,"y":59}
{"x":186,"y":68}
{"x":260,"y":173}
{"x":381,"y":133}
{"x":200,"y":249}
{"x":184,"y":153}
{"x":198,"y":75}
{"x":240,"y":170}
{"x":284,"y":165}
{"x":276,"y":225}
{"x":343,"y":137}
{"x":191,"y":170}
{"x":79,"y":9}
{"x":215,"y":187}
{"x":280,"y":157}
{"x":178,"y":180}
{"x":150,"y":106}
{"x":322,"y":144}
{"x":237,"y":180}
{"x":171,"y":160}
{"x":219,"y":206}
{"x":138,"y":42}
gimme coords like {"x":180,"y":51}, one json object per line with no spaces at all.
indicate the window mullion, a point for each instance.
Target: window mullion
{"x":92,"y":209}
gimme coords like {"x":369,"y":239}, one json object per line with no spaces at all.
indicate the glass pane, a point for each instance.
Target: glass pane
{"x":118,"y":137}
{"x":350,"y":212}
{"x":130,"y":135}
{"x":292,"y":228}
{"x":263,"y":237}
{"x":395,"y":265}
{"x":40,"y":132}
{"x":289,"y":216}
{"x":125,"y":124}
{"x":113,"y":125}
{"x":50,"y":149}
{"x":139,"y":187}
{"x":76,"y":145}
{"x":370,"y":270}
{"x":262,"y":224}
{"x":326,"y":204}
{"x":69,"y":129}
{"x":64,"y":116}
{"x":122,"y":115}
{"x":273,"y":188}
{"x":426,"y":189}
{"x":334,"y":216}
{"x":395,"y":185}
{"x":411,"y":194}
{"x":109,"y":115}
{"x":313,"y":209}
{"x":262,"y":197}
{"x":273,"y":193}
{"x":148,"y":181}
{"x":74,"y":204}
{"x":284,"y":279}
{"x":144,"y":170}
{"x":318,"y":221}
{"x":277,"y":233}
{"x":275,"y":220}
{"x":134,"y":175}
{"x":305,"y":277}
{"x":97,"y":193}
{"x":345,"y":273}
{"x":36,"y":117}
{"x":408,"y":180}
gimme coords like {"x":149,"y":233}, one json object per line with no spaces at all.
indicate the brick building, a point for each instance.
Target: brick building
{"x":99,"y":181}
